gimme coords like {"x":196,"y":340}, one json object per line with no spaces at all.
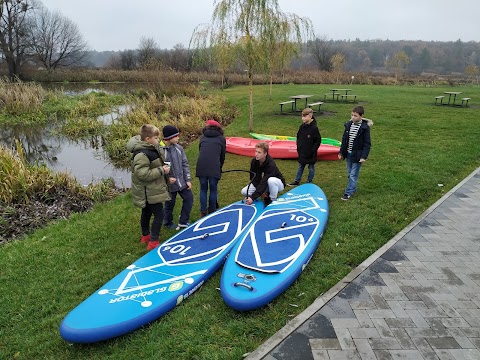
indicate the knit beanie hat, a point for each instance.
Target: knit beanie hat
{"x":212,"y":123}
{"x":169,"y":132}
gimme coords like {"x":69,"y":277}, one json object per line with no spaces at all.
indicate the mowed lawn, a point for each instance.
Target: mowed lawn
{"x":419,"y":152}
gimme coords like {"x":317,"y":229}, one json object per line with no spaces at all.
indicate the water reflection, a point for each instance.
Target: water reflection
{"x":110,"y":88}
{"x":83,"y":159}
{"x":38,"y":147}
{"x":88,"y":164}
{"x":109,"y":119}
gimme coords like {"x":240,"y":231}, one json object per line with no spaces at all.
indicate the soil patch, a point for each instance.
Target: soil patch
{"x":20,"y":219}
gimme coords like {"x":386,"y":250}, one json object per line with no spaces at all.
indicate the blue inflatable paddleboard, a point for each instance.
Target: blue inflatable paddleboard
{"x":161,"y":279}
{"x":275,"y":249}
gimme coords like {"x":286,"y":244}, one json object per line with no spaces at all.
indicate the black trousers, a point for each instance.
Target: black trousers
{"x":157,"y":211}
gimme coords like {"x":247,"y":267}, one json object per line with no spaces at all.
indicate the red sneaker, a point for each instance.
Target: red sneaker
{"x":145,"y":239}
{"x":152,"y":244}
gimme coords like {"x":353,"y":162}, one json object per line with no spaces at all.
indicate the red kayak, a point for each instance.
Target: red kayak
{"x":278,"y":149}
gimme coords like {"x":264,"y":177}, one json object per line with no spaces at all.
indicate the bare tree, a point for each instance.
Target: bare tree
{"x":178,"y":58}
{"x":128,"y":60}
{"x":148,"y":53}
{"x":56,"y":41}
{"x":13,"y":34}
{"x":323,"y":51}
{"x":114,"y":62}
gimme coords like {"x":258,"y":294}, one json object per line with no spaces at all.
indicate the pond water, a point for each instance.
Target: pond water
{"x":85,"y":159}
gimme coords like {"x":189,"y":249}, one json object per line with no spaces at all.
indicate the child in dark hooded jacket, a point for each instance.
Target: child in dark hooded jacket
{"x":308,"y":142}
{"x":212,"y":148}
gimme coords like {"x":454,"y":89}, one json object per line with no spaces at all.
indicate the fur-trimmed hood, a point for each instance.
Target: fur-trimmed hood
{"x":369,"y":122}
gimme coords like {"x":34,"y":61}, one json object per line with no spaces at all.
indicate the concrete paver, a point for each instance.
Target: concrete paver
{"x":417,"y":297}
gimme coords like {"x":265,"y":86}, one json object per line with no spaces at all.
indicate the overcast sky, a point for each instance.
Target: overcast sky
{"x":120,"y":24}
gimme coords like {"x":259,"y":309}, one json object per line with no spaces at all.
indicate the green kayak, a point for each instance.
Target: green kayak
{"x":327,"y":141}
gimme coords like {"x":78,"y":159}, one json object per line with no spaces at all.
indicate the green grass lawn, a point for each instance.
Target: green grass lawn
{"x":419,"y":152}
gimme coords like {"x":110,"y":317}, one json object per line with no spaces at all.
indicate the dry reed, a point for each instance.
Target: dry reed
{"x":21,"y":181}
{"x":17,"y":97}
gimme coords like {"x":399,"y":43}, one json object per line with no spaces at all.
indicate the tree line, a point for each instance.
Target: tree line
{"x":438,"y":57}
{"x":31,"y":35}
{"x":369,"y":56}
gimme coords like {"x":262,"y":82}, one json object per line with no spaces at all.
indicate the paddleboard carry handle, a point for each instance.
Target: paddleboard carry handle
{"x":244,"y":285}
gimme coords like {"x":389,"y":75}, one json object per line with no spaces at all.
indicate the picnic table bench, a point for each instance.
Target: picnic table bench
{"x":346,"y":96}
{"x":319,"y":103}
{"x":333,"y":95}
{"x":437,"y":98}
{"x":465,"y":101}
{"x":339,"y":95}
{"x":285,"y":103}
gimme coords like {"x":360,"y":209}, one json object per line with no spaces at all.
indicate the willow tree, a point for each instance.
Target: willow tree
{"x":252,"y":26}
{"x":220,"y":55}
{"x":284,"y":42}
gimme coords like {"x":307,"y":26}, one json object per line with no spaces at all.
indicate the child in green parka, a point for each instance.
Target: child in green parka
{"x":149,"y":181}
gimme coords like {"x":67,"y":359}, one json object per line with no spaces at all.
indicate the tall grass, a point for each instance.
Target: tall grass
{"x":28,"y":104}
{"x":17,"y":97}
{"x":188,"y":114}
{"x":21,"y":181}
{"x":303,"y":76}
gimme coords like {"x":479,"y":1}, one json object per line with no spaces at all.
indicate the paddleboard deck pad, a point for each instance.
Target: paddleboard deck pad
{"x":161,"y":279}
{"x":275,"y":249}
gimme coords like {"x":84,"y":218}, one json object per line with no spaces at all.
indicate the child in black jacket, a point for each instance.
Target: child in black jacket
{"x":266,"y":178}
{"x":308,"y":142}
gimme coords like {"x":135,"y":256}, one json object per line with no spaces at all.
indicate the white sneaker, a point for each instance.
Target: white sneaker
{"x":182,"y":226}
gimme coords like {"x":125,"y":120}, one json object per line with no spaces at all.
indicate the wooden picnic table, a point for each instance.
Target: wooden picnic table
{"x":454,"y":93}
{"x":298,"y":97}
{"x":336,"y":92}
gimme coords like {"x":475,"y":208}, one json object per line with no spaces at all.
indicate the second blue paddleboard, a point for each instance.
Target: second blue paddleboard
{"x":275,"y":249}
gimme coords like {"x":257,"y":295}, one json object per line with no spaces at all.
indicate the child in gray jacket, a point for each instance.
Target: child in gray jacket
{"x":180,"y":181}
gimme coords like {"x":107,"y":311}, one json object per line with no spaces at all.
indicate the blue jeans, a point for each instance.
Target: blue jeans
{"x":353,"y":169}
{"x":187,"y":197}
{"x":205,"y":183}
{"x":311,"y":172}
{"x":157,"y":211}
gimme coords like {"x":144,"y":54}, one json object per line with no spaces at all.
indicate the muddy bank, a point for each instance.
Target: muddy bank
{"x":20,"y":219}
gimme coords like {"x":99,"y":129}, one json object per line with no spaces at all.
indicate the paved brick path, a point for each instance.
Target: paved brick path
{"x":418,"y":297}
